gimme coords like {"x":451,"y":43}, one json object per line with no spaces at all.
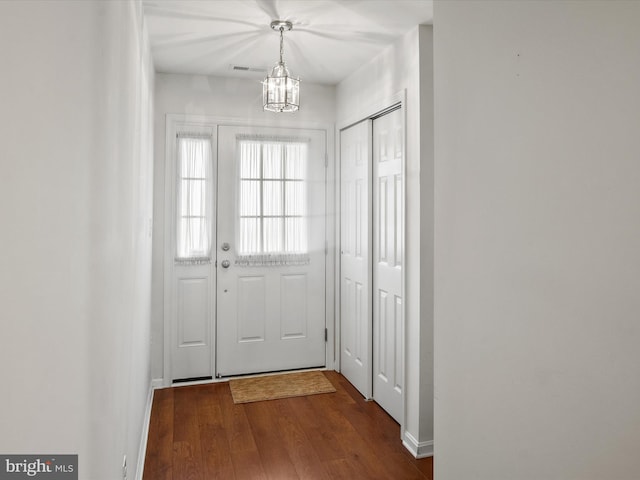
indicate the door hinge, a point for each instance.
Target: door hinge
{"x":326,"y":159}
{"x":326,"y":335}
{"x":326,"y":247}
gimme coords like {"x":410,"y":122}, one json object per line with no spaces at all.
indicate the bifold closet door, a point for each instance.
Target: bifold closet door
{"x":371,"y":260}
{"x":355,"y":258}
{"x":388,"y":228}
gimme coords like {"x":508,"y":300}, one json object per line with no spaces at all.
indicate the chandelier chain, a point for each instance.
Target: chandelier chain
{"x":281,"y":44}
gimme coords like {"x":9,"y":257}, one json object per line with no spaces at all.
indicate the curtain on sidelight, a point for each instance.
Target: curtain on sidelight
{"x":194,"y":199}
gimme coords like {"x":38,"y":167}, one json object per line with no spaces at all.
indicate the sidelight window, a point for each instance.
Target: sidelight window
{"x":194,"y":202}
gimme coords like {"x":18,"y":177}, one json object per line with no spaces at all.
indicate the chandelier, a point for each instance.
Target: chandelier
{"x":281,"y":91}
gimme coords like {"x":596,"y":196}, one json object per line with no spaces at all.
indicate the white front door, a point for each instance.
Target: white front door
{"x":270,"y":250}
{"x":355,"y":258}
{"x":388,"y":208}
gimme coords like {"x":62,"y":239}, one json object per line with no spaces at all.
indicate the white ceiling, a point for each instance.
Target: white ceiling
{"x":330,"y":38}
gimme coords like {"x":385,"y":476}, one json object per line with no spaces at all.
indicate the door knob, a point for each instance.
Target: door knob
{"x":225,"y":263}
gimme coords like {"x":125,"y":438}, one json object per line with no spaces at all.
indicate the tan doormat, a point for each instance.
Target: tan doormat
{"x":272,"y":387}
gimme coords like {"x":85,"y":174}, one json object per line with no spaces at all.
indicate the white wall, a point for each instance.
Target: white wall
{"x":537,"y":304}
{"x":75,"y":206}
{"x":225,"y":98}
{"x":408,"y":65}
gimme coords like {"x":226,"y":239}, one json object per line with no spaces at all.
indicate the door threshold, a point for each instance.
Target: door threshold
{"x":208,"y":380}
{"x":191,"y":380}
{"x":273,"y":372}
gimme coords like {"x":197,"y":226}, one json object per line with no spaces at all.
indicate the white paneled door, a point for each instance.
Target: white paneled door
{"x":371,"y":259}
{"x":388,"y":207}
{"x":355,"y":259}
{"x":270,"y":250}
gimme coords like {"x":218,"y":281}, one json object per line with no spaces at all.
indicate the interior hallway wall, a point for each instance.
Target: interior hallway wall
{"x":75,"y":209}
{"x":235,"y":99}
{"x":408,"y":65}
{"x":537,"y":240}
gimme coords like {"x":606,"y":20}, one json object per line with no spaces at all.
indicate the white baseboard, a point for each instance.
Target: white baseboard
{"x":157,"y":383}
{"x":417,"y":449}
{"x":145,"y":433}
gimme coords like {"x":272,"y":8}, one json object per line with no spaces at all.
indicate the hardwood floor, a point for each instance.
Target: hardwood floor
{"x":198,"y":433}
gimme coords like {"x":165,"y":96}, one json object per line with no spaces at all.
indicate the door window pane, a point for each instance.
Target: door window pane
{"x":250,"y":239}
{"x":295,"y":198}
{"x":295,"y":161}
{"x":272,"y":198}
{"x":272,"y":160}
{"x":249,"y":160}
{"x":249,"y":198}
{"x":272,"y":239}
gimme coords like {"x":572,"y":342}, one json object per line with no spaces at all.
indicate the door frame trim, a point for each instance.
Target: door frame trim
{"x":173,"y":122}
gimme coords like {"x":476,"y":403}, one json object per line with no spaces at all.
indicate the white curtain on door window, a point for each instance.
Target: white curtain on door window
{"x":295,"y":174}
{"x":272,"y":224}
{"x":194,"y":196}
